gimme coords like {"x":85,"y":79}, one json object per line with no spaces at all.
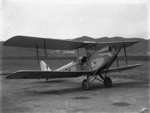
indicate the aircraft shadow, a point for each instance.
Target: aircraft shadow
{"x":131,"y":84}
{"x":95,"y":87}
{"x":51,"y":81}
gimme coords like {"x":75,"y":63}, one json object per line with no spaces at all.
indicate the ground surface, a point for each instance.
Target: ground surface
{"x":128,"y":94}
{"x":66,"y":96}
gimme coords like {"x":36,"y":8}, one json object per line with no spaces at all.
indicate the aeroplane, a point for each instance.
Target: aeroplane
{"x":94,"y":65}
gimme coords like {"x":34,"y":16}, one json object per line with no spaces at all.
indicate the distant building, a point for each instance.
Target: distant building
{"x":68,"y":52}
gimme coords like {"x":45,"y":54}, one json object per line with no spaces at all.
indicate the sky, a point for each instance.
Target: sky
{"x":67,"y":19}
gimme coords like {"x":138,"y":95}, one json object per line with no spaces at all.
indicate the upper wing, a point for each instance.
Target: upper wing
{"x":44,"y":74}
{"x":33,"y":42}
{"x":113,"y":44}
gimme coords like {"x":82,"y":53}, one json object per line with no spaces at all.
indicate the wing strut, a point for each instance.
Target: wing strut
{"x":126,"y":59}
{"x":78,"y":54}
{"x":37,"y":51}
{"x":117,"y":58}
{"x":45,"y":48}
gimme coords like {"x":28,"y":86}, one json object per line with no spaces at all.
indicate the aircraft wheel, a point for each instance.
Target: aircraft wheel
{"x":85,"y":84}
{"x":107,"y":82}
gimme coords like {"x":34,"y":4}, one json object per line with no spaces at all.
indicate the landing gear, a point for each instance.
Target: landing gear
{"x":85,"y":84}
{"x":107,"y":82}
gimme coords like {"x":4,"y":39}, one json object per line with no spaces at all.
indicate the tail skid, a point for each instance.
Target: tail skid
{"x":44,"y":66}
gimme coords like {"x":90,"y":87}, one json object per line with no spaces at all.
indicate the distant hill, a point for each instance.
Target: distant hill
{"x":139,"y":49}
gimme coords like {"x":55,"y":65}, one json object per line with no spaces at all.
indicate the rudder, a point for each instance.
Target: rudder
{"x":44,"y":66}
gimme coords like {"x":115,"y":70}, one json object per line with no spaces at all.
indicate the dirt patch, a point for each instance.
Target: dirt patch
{"x":81,"y":97}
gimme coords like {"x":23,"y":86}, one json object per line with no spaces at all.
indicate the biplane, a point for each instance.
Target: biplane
{"x":94,"y":65}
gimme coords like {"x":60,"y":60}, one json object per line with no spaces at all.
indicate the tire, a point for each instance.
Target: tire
{"x":107,"y":82}
{"x":85,"y":84}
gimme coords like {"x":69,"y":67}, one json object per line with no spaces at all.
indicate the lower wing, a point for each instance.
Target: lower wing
{"x":123,"y":68}
{"x":29,"y":74}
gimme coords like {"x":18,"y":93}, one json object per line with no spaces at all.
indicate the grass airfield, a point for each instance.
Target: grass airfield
{"x":129,"y":93}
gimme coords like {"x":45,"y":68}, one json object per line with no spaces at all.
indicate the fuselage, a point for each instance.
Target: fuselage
{"x":99,"y":60}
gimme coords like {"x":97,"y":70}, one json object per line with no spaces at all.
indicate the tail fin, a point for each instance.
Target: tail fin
{"x":44,"y":66}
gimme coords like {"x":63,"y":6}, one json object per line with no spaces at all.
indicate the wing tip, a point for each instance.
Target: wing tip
{"x":8,"y":77}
